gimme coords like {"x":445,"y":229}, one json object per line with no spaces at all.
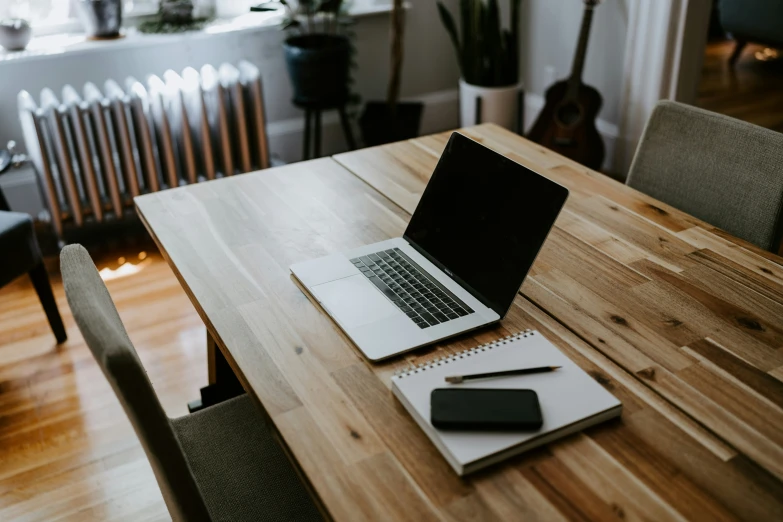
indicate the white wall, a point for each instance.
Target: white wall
{"x":550,"y":29}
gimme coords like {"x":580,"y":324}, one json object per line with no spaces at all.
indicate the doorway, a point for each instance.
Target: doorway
{"x":747,"y":85}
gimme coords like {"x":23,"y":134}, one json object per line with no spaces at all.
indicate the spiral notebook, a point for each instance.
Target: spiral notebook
{"x":570,"y":399}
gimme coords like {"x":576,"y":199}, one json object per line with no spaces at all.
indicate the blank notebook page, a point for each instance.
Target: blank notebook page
{"x":567,"y":396}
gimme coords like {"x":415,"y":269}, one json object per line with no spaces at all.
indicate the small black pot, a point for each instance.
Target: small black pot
{"x":318,"y":66}
{"x":377,"y":127}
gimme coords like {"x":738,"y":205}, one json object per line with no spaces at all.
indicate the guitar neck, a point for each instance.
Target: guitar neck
{"x":581,"y":49}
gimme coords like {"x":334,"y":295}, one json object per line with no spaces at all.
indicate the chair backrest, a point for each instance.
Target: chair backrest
{"x":723,"y":171}
{"x":108,"y":340}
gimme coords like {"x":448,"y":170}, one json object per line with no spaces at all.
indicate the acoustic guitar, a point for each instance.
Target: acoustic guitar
{"x":567,"y":121}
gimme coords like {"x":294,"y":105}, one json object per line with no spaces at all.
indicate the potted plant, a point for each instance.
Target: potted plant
{"x":488,"y":57}
{"x":101,"y":19}
{"x":385,"y":122}
{"x":318,"y":54}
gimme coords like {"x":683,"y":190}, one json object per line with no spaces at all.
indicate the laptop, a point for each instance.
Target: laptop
{"x":469,"y":245}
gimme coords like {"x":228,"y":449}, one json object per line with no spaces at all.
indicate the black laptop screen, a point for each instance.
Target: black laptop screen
{"x":483,"y":218}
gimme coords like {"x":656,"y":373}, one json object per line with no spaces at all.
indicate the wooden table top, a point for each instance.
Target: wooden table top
{"x":677,"y":320}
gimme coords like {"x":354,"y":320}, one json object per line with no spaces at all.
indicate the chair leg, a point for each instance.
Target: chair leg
{"x":347,"y":129}
{"x":42,"y":286}
{"x":317,"y":137}
{"x":739,"y":46}
{"x":306,"y":140}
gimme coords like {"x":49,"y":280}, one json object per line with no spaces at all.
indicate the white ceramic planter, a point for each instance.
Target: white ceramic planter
{"x":498,"y":105}
{"x":232,"y":8}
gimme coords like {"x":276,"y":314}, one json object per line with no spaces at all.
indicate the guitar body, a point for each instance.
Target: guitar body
{"x":566,"y":124}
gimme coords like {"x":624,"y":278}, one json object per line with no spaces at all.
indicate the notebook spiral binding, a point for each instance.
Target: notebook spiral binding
{"x":439,"y":361}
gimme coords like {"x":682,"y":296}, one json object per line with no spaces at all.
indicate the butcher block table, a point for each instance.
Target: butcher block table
{"x":681,"y":322}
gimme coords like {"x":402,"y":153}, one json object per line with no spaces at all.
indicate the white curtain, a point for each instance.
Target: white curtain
{"x":664,"y":50}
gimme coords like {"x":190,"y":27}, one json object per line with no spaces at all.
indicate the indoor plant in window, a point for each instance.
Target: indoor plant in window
{"x":101,"y":18}
{"x":392,"y":120}
{"x":488,"y":57}
{"x":318,"y":53}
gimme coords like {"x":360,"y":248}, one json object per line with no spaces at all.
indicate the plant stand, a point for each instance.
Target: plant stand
{"x":313,"y":111}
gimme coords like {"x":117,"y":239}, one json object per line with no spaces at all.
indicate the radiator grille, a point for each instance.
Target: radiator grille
{"x":93,"y":153}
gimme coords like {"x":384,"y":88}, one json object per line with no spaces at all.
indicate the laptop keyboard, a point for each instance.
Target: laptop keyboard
{"x":424,"y":300}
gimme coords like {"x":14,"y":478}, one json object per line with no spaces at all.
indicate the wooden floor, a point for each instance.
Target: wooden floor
{"x":67,"y":450}
{"x":751,"y":91}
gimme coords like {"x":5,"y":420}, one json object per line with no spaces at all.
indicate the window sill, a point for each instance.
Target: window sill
{"x":47,"y":46}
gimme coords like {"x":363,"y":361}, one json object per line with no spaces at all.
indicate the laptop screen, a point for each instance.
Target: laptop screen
{"x":483,"y":218}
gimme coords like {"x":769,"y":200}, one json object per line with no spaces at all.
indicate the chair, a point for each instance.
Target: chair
{"x":758,"y":21}
{"x":723,"y":171}
{"x":21,"y":255}
{"x":221,"y":463}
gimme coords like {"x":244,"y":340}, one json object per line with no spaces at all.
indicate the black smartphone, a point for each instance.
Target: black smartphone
{"x":485,"y":409}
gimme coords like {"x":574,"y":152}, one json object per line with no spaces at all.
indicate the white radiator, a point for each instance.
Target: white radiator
{"x":93,"y":153}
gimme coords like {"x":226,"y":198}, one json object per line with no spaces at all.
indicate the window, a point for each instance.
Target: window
{"x":50,"y":14}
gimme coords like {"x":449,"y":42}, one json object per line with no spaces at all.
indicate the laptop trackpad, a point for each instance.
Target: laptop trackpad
{"x":354,"y":301}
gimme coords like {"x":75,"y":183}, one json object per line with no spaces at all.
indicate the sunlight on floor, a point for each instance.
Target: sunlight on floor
{"x":125,"y":268}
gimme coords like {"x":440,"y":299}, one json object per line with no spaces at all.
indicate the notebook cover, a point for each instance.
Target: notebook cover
{"x":570,"y":399}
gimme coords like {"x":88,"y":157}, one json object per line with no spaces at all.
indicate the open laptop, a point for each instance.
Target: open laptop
{"x":469,"y":245}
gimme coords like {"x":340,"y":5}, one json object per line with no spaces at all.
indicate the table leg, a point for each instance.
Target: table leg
{"x":223,"y":384}
{"x":317,"y":138}
{"x":346,"y":123}
{"x":306,"y":140}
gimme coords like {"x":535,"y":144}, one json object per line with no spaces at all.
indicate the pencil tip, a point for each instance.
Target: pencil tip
{"x":454,"y":379}
{"x":555,"y":367}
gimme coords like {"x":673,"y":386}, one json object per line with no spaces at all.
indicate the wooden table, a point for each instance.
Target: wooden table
{"x":681,"y":322}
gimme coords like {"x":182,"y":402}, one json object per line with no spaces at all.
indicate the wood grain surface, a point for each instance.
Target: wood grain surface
{"x":692,"y":313}
{"x":690,"y":443}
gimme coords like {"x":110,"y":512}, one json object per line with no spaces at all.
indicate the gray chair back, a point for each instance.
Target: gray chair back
{"x":723,"y":171}
{"x":108,"y":340}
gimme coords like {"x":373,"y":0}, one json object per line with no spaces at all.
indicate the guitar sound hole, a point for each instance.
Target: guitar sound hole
{"x":569,"y":114}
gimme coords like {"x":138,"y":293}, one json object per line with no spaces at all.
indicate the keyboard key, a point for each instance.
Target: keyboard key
{"x":430,"y":319}
{"x":452,"y":315}
{"x":412,"y":314}
{"x":367,"y":261}
{"x":440,"y":317}
{"x":406,"y":308}
{"x":383,"y":288}
{"x":460,"y":312}
{"x":374,"y":257}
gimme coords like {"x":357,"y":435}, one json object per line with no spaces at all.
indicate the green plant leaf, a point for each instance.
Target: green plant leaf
{"x":451,"y":28}
{"x":494,"y":44}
